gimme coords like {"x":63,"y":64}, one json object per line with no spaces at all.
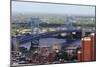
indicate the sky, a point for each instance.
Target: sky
{"x":45,"y":8}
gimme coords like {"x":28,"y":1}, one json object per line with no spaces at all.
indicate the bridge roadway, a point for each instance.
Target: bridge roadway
{"x":28,"y":38}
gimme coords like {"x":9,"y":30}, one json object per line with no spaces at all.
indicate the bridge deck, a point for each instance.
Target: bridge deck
{"x":25,"y":39}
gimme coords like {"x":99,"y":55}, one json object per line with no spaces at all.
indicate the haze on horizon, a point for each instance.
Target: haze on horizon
{"x":45,"y":8}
